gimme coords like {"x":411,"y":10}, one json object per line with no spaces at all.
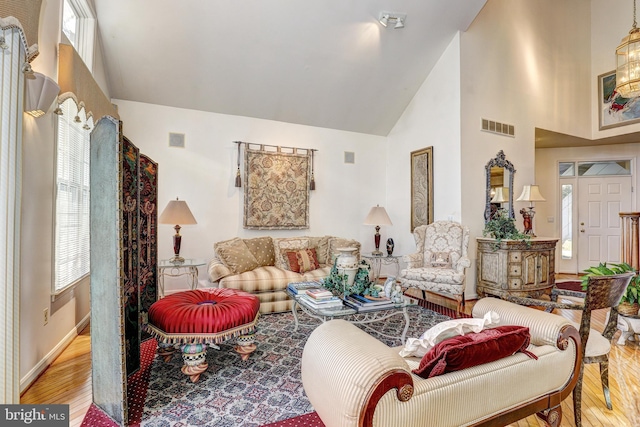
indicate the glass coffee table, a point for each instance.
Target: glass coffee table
{"x":351,"y":315}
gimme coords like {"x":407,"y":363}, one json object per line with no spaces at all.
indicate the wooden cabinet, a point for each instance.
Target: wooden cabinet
{"x":514,"y":267}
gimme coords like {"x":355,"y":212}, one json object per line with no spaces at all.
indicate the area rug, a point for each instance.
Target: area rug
{"x":261,"y":390}
{"x":569,"y":285}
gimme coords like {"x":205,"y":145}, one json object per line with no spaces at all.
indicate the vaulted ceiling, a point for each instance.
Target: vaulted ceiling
{"x":325,"y":63}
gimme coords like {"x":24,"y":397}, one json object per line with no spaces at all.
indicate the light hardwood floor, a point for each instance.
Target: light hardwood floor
{"x":68,"y":381}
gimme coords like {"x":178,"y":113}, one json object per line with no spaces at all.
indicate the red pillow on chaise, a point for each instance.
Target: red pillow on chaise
{"x":465,"y":351}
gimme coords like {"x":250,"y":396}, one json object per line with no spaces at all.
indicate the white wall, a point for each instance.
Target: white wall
{"x":203,"y":174}
{"x":523,"y":63}
{"x":431,"y":119}
{"x":40,"y":344}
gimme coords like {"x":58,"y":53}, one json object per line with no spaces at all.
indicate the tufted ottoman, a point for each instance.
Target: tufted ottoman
{"x":191,"y":320}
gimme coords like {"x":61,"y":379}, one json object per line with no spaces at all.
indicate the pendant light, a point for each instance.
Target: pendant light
{"x":628,"y":62}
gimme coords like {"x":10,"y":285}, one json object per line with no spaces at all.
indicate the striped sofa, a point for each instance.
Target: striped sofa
{"x":352,"y":379}
{"x":261,"y":265}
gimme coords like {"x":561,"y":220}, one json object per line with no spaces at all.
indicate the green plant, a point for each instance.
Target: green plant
{"x":502,"y":227}
{"x":631,"y":295}
{"x":362,"y":284}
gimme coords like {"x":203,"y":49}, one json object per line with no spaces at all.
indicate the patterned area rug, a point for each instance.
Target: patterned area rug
{"x":264,"y":389}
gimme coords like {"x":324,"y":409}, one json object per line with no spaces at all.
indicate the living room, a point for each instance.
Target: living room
{"x":531,"y":64}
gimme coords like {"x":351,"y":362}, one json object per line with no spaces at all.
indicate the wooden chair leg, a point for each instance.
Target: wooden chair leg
{"x":577,"y":400}
{"x":604,"y":379}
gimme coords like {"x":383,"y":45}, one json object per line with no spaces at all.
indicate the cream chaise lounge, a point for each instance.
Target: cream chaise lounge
{"x":352,"y":379}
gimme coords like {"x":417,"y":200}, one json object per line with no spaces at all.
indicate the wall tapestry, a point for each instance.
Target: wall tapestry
{"x":421,"y":187}
{"x":614,"y":110}
{"x":276,"y":193}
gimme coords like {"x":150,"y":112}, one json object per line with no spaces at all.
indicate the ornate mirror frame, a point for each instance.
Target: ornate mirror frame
{"x":502,"y":162}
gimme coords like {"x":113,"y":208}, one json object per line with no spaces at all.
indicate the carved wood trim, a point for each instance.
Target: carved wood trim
{"x":399,"y":379}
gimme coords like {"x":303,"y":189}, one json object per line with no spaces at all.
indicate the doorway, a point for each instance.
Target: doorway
{"x":593,"y":193}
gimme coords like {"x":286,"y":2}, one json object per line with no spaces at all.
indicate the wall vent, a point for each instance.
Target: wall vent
{"x":499,"y":128}
{"x":176,"y":140}
{"x":349,"y":157}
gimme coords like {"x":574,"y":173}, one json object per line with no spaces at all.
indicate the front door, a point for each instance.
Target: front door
{"x":600,"y":200}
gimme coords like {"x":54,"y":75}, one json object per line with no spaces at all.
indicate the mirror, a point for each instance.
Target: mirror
{"x":499,"y":183}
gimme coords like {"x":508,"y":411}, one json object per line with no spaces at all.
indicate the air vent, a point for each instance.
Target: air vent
{"x":349,"y":157}
{"x":499,"y":128}
{"x":176,"y":140}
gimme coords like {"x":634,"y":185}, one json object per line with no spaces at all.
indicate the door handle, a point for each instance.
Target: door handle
{"x":582,"y":230}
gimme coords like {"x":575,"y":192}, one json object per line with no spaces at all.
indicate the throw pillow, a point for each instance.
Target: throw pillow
{"x":303,"y":260}
{"x":418,"y":347}
{"x":262,"y":250}
{"x":322,"y":248}
{"x":236,"y":255}
{"x":283,"y":245}
{"x":440,"y":260}
{"x":465,"y":351}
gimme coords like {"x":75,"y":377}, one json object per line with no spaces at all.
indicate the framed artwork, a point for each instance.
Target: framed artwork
{"x":613,"y":109}
{"x":421,"y":187}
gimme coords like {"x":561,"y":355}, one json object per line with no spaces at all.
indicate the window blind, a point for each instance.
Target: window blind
{"x":72,"y":196}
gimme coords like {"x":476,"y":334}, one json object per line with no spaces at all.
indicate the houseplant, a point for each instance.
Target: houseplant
{"x":502,"y":227}
{"x":362,"y":284}
{"x":630,"y":301}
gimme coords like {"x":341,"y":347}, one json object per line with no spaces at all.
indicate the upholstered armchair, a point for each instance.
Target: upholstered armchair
{"x":440,"y":260}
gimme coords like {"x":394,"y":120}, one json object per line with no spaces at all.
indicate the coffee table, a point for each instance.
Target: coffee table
{"x":351,"y":315}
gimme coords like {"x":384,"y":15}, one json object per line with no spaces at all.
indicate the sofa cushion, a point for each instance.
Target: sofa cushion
{"x":217,"y":270}
{"x":474,"y":349}
{"x":322,"y":248}
{"x":303,"y":260}
{"x":261,"y":279}
{"x":236,"y":255}
{"x":262,"y":250}
{"x":283,"y":245}
{"x":317,"y":274}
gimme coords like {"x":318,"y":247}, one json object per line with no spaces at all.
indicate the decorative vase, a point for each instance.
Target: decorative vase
{"x":627,"y":309}
{"x":390,"y":246}
{"x":347,"y":263}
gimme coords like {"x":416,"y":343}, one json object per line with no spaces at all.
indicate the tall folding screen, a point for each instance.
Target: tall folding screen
{"x":148,"y":234}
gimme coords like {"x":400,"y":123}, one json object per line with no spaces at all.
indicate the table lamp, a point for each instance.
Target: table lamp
{"x":377,"y":216}
{"x":530,"y":193}
{"x":177,"y":212}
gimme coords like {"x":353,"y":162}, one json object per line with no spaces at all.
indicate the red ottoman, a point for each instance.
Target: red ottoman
{"x":194,"y":319}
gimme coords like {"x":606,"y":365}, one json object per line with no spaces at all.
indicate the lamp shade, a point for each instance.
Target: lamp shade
{"x":531,"y":193}
{"x":377,"y":216}
{"x":177,"y":212}
{"x":41,"y":92}
{"x":501,"y":196}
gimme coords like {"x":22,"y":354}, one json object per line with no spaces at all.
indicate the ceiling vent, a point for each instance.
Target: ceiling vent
{"x":499,"y":128}
{"x":176,"y":140}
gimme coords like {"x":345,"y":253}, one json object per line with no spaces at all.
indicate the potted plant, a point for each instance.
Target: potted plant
{"x":502,"y":227}
{"x":630,"y":301}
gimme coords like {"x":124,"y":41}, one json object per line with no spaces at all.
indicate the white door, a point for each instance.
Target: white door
{"x":600,"y":200}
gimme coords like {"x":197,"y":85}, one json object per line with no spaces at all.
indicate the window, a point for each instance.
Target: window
{"x":610,"y":167}
{"x":72,"y":197}
{"x":79,"y":25}
{"x":567,"y":221}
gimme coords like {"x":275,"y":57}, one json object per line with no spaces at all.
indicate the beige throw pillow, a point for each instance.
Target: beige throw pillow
{"x":236,"y":255}
{"x":322,"y":248}
{"x":262,"y":250}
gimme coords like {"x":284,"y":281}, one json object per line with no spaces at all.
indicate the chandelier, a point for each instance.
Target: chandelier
{"x":628,"y":62}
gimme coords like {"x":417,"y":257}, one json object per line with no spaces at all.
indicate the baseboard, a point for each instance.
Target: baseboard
{"x":48,"y":359}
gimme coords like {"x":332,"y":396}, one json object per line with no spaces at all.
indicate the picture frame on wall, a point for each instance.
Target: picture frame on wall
{"x":421,"y":187}
{"x":613,"y":109}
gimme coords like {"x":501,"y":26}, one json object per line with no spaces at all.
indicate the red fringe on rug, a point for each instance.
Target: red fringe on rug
{"x":306,"y":420}
{"x":137,"y":386}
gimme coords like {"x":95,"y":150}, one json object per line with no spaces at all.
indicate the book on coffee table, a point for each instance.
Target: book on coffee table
{"x":301,"y":287}
{"x":363,"y":300}
{"x":319,"y":293}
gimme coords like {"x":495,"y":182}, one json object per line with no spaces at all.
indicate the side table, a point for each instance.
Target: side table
{"x":188,"y":268}
{"x":377,"y":261}
{"x":629,"y":326}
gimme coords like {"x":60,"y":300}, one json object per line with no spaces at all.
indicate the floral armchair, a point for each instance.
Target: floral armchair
{"x":440,"y":260}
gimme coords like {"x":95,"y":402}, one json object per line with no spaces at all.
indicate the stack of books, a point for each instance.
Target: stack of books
{"x":328,"y":303}
{"x":361,"y":303}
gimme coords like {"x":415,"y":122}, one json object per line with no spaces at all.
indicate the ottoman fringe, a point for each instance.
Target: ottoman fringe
{"x":201,"y":338}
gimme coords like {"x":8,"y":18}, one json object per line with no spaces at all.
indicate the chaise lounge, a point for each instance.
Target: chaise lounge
{"x":352,"y":379}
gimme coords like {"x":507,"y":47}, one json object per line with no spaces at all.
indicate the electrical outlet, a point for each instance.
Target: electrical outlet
{"x":46,"y":315}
